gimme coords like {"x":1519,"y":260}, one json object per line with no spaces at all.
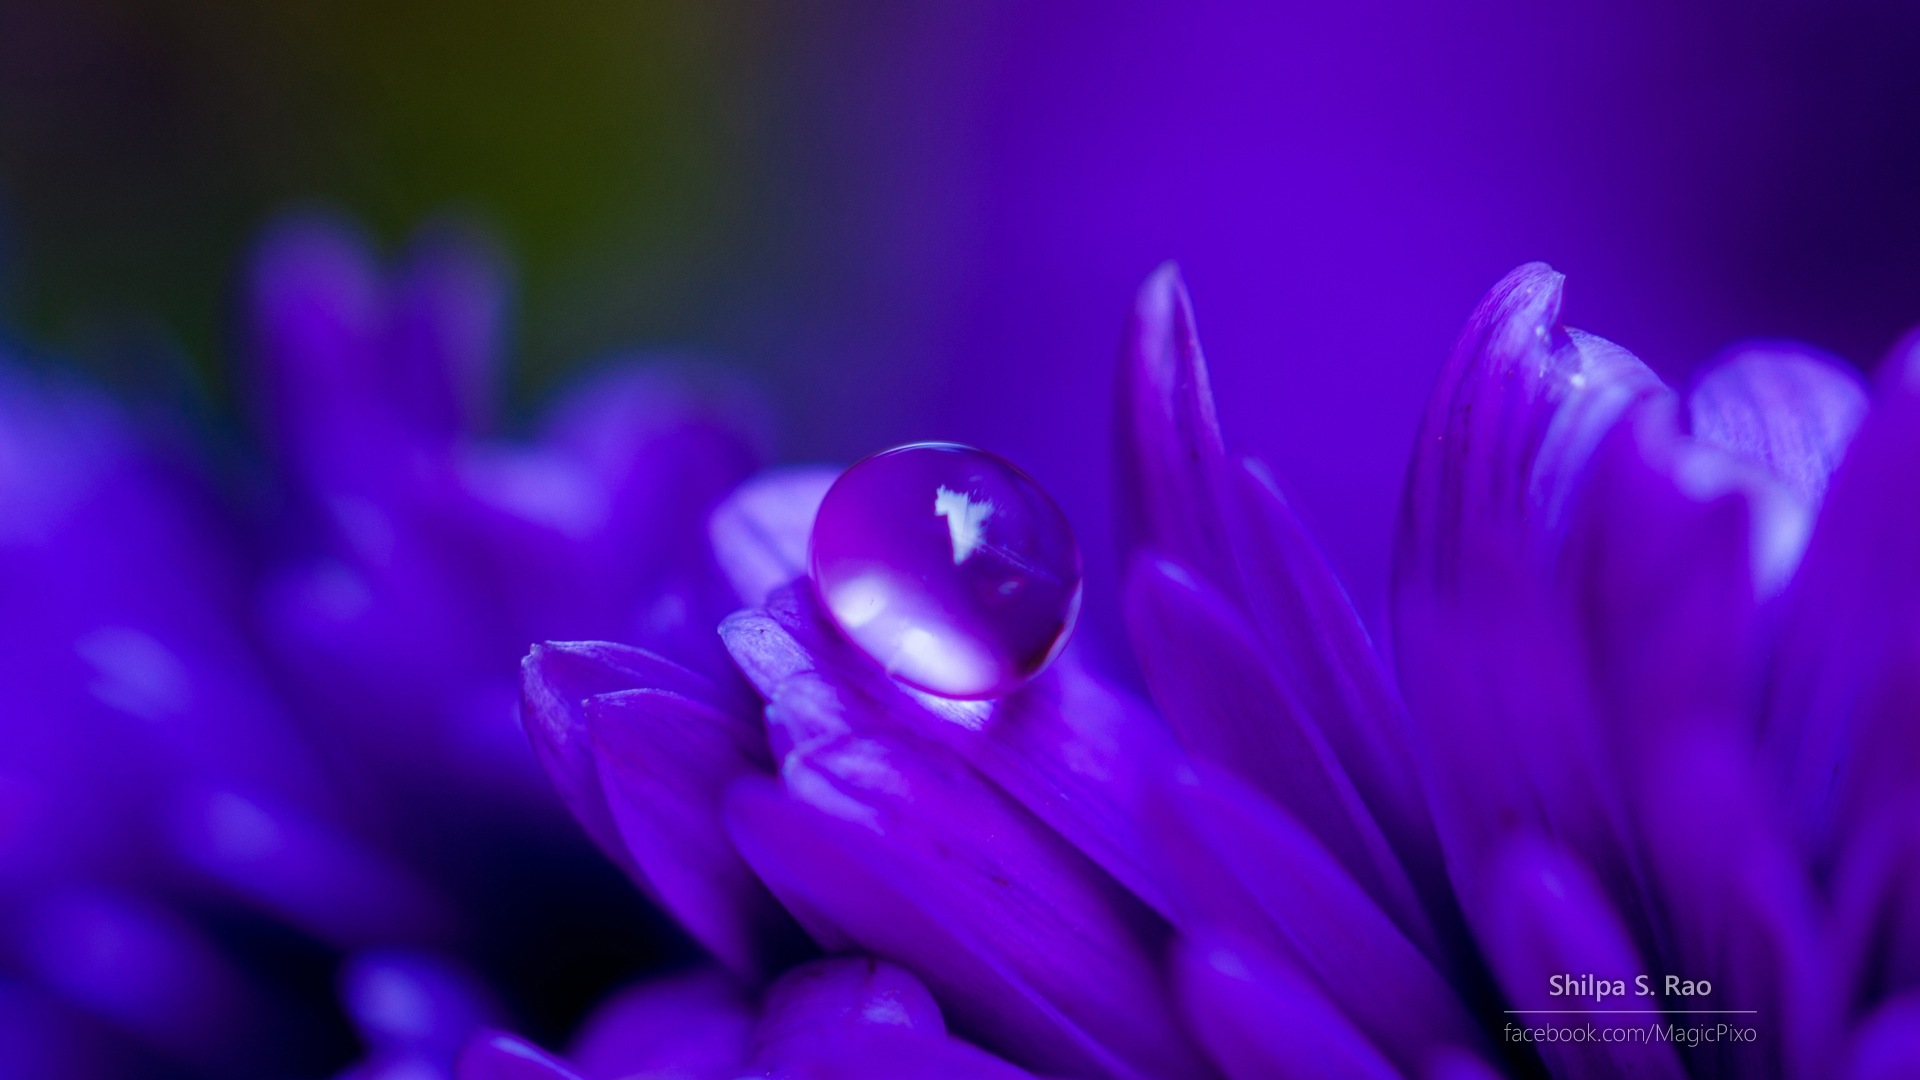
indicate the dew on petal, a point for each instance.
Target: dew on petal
{"x":950,"y":567}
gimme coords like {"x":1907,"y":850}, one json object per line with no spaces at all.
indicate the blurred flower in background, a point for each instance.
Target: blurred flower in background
{"x":300,"y":708}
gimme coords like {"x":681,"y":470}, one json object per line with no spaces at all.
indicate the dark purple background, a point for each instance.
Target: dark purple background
{"x":1340,"y":184}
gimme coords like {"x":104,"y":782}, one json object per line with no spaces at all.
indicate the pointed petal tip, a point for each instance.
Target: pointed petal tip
{"x":1162,"y":289}
{"x":1526,"y":300}
{"x":1161,"y":340}
{"x":556,"y":680}
{"x":498,"y":1055}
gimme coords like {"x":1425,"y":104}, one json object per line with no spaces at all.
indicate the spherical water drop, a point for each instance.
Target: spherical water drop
{"x":949,"y":566}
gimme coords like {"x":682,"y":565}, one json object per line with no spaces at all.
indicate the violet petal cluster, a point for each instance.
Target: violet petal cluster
{"x":1650,"y":710}
{"x":260,"y":706}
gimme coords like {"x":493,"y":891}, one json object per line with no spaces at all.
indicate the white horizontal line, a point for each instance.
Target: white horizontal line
{"x":1648,"y":1012}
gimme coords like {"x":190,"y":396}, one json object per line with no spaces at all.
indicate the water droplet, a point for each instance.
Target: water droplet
{"x":949,"y":566}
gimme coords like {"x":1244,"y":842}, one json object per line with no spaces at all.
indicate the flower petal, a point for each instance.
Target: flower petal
{"x":446,"y":329}
{"x":1083,"y":757}
{"x":666,"y":444}
{"x":1887,"y":1046}
{"x":1876,"y":897}
{"x":761,"y":532}
{"x":1259,"y":1020}
{"x":1740,"y":909}
{"x":1788,"y":406}
{"x":1237,"y":863}
{"x":1517,"y":410}
{"x":1490,"y":662}
{"x":902,"y":1055}
{"x":412,"y":1003}
{"x":556,"y":679}
{"x":303,"y":870}
{"x":316,"y":307}
{"x":1843,"y":685}
{"x":913,"y":857}
{"x":664,"y":763}
{"x":1321,"y":651}
{"x":1661,"y":579}
{"x":143,"y":969}
{"x":1546,"y":916}
{"x":1170,"y":453}
{"x":1214,"y":685}
{"x":692,"y":1025}
{"x":815,"y":1006}
{"x":1075,"y":752}
{"x":496,"y":1055}
{"x":764,"y":651}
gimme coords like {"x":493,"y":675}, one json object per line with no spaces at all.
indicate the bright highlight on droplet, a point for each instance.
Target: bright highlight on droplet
{"x":949,"y":566}
{"x":965,"y":519}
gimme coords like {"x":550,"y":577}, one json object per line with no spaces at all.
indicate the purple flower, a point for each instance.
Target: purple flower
{"x":423,"y":549}
{"x":149,"y":774}
{"x":844,"y":1018}
{"x":1649,"y":713}
{"x":245,"y":736}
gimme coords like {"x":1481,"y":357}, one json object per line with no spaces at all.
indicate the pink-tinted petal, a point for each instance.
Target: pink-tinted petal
{"x":1213,"y":683}
{"x":1236,"y":862}
{"x":760,"y":533}
{"x":1259,"y":1020}
{"x":1785,"y":405}
{"x":692,"y":1026}
{"x":664,"y":762}
{"x":1322,"y":653}
{"x":816,"y":1006}
{"x":1843,"y":683}
{"x":1887,"y":1046}
{"x":1546,"y":916}
{"x":1170,"y":453}
{"x":910,"y":855}
{"x":496,"y":1055}
{"x":556,"y":679}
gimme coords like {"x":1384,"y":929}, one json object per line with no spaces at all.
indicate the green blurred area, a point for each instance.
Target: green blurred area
{"x":627,"y":153}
